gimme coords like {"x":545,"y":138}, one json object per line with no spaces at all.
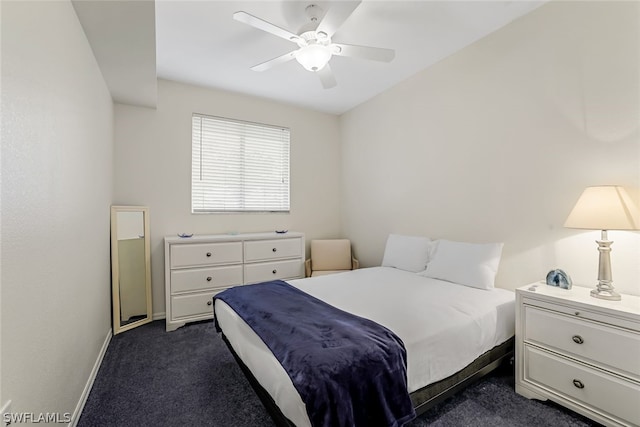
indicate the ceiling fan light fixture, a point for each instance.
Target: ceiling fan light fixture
{"x":314,"y":56}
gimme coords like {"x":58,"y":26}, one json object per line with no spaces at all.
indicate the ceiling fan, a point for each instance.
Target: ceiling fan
{"x":315,"y":47}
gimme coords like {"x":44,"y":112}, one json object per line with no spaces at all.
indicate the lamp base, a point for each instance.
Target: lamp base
{"x":604,"y":288}
{"x":608,"y":294}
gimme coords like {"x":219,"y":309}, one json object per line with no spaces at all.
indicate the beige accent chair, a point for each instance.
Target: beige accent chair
{"x":330,"y":256}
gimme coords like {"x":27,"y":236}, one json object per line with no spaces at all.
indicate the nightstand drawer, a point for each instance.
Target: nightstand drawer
{"x":200,"y":254}
{"x":264,"y":250}
{"x":600,"y":344}
{"x":196,"y":279}
{"x":193,"y":305}
{"x":591,"y":388}
{"x":262,"y":272}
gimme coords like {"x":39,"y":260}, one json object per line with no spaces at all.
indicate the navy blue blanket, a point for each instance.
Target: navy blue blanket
{"x":349,"y":371}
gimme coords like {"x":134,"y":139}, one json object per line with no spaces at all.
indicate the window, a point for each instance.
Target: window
{"x":238,"y":166}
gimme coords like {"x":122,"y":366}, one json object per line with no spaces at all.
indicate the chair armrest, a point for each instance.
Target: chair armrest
{"x":307,"y":268}
{"x":355,"y":264}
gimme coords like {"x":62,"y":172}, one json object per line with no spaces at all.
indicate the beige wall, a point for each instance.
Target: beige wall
{"x":496,"y":143}
{"x":2,"y":401}
{"x":57,"y":169}
{"x":153,"y":167}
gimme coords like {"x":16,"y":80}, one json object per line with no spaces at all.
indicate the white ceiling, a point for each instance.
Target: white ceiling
{"x":122,"y":36}
{"x":199,"y":42}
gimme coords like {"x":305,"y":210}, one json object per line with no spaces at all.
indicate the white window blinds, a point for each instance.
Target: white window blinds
{"x":238,"y":166}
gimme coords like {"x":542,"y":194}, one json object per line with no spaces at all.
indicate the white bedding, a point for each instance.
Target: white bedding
{"x":444,"y":326}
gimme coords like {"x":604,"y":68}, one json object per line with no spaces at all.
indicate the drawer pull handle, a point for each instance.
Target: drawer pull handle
{"x":274,"y":271}
{"x":274,"y":250}
{"x":208,"y":254}
{"x":211,"y":302}
{"x":577,"y":313}
{"x":209,"y":279}
{"x":577,"y":339}
{"x":578,"y":383}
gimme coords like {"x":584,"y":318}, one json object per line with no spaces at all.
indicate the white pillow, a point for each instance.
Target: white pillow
{"x":469,"y":264}
{"x":409,"y":253}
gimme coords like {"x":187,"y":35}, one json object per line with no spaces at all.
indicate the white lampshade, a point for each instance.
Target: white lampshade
{"x":606,"y":207}
{"x":313,"y":57}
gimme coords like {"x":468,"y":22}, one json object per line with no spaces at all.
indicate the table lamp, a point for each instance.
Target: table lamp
{"x":604,"y":208}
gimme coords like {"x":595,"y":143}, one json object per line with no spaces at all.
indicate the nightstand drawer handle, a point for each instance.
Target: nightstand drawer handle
{"x":209,"y":278}
{"x":577,"y":339}
{"x":274,"y":250}
{"x":208,"y":254}
{"x":274,"y":271}
{"x":211,"y":302}
{"x":578,"y":383}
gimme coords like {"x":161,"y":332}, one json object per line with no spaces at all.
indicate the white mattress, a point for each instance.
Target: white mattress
{"x":444,"y":326}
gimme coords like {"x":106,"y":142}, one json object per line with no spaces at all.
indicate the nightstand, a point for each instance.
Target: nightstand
{"x":580,"y":352}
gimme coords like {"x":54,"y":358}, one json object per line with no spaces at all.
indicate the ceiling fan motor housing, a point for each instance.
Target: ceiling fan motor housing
{"x":314,"y":15}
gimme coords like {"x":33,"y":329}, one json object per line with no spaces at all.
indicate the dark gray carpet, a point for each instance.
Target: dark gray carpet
{"x":189,"y":378}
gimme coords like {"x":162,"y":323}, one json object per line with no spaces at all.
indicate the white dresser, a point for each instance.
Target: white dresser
{"x":580,"y":352}
{"x":198,"y":267}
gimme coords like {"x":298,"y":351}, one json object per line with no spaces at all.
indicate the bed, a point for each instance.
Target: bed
{"x":452,"y":333}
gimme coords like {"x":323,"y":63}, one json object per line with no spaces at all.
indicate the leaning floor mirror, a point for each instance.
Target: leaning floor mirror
{"x":130,"y":267}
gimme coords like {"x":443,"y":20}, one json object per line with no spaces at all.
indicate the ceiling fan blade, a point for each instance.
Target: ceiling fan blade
{"x":364,"y":52}
{"x":275,"y":61}
{"x":336,"y":15}
{"x":263,"y":25}
{"x":326,"y":77}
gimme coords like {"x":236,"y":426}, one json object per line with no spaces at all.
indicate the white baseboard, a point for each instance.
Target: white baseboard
{"x":159,"y":316}
{"x":92,"y":377}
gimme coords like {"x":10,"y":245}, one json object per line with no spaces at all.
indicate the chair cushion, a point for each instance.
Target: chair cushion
{"x":334,"y":254}
{"x":316,"y":273}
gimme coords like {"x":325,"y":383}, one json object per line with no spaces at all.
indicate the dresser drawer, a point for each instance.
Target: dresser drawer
{"x":264,"y":271}
{"x":263,"y":250}
{"x":193,"y":305}
{"x":196,"y":279}
{"x":591,"y":388}
{"x":584,"y":339}
{"x":200,"y":254}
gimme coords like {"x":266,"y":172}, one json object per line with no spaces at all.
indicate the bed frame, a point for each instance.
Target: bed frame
{"x":422,"y":399}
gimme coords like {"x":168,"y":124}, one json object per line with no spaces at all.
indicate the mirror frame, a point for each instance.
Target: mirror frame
{"x":115,"y":269}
